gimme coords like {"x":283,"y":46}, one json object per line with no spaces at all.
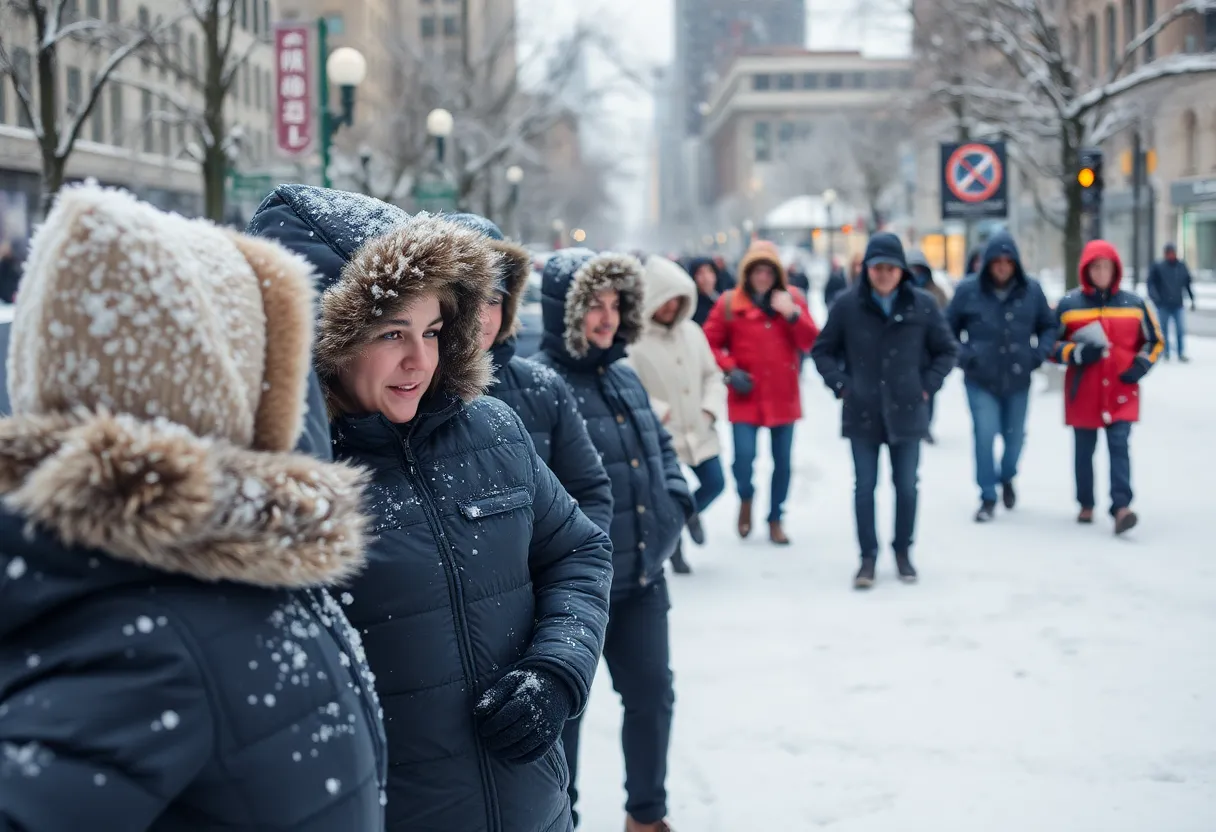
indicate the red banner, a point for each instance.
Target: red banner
{"x":294,"y":123}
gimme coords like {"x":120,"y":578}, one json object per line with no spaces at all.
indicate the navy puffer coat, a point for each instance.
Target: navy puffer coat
{"x":483,"y":562}
{"x":650,"y":496}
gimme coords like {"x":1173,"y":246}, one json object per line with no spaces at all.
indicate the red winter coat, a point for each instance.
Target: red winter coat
{"x":744,"y":337}
{"x":1095,"y":396}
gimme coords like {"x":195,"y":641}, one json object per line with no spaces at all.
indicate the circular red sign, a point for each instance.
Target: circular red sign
{"x":974,"y":173}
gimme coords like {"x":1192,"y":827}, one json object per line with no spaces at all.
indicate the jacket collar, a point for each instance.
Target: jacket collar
{"x":371,"y":434}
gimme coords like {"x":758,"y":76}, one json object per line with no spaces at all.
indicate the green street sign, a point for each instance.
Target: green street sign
{"x":434,"y":195}
{"x":250,"y":185}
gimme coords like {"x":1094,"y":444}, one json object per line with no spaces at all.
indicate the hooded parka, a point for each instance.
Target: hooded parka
{"x":168,"y":660}
{"x":537,"y":394}
{"x":677,"y":367}
{"x":651,"y":498}
{"x":482,"y":562}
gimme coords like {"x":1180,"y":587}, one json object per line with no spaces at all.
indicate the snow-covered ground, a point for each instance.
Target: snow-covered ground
{"x":1042,"y":676}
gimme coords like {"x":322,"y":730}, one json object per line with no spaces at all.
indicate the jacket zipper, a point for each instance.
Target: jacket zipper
{"x":456,"y":597}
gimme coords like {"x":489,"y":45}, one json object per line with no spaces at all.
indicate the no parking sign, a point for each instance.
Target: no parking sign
{"x":973,"y":181}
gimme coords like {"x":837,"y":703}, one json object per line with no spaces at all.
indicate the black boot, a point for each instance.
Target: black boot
{"x":1008,"y":496}
{"x":907,"y":572}
{"x":695,"y":530}
{"x":986,"y":513}
{"x":865,"y":575}
{"x":678,"y":564}
{"x":1125,"y":520}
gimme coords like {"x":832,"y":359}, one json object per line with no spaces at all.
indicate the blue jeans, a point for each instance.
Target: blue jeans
{"x":905,"y":459}
{"x":1177,"y":316}
{"x":1118,"y":442}
{"x":992,"y":415}
{"x":781,"y":437}
{"x":711,"y":482}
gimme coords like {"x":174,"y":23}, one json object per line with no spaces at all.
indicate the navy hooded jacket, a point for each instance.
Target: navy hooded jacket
{"x":651,"y":498}
{"x":1003,"y":339}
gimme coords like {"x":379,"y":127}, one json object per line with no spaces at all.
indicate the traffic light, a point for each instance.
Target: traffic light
{"x":1089,"y":176}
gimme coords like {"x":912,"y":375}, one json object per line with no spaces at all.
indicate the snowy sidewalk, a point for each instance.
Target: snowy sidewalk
{"x":1043,"y":676}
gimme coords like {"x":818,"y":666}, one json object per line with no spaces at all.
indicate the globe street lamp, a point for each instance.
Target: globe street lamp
{"x":515,"y":175}
{"x":347,"y":68}
{"x":439,"y":124}
{"x":829,"y":199}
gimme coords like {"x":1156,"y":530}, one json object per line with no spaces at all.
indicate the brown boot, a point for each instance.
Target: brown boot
{"x":745,"y":518}
{"x":1086,"y":516}
{"x":1125,"y":520}
{"x":632,"y":825}
{"x":776,"y":534}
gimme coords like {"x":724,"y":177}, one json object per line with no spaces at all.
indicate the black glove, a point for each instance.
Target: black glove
{"x":740,"y":381}
{"x":1085,"y":354}
{"x":1134,"y":373}
{"x":521,"y":716}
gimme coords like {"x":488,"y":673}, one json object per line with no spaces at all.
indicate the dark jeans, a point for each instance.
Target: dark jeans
{"x":1175,"y":315}
{"x":905,"y":459}
{"x":781,"y":437}
{"x":991,"y":416}
{"x":1118,"y":440}
{"x":711,"y":482}
{"x":637,"y":652}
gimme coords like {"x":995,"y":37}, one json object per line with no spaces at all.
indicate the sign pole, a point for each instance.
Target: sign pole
{"x":1137,"y":176}
{"x":323,"y":98}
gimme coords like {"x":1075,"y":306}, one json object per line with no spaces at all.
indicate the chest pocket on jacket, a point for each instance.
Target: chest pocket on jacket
{"x":498,"y":503}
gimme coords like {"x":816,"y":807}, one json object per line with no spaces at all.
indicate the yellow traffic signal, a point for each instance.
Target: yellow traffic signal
{"x":1086,"y":177}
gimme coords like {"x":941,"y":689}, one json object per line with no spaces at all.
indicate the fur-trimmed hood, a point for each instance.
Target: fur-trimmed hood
{"x":572,"y":278}
{"x":762,"y":251}
{"x":426,"y":254}
{"x":514,"y":266}
{"x":153,"y":494}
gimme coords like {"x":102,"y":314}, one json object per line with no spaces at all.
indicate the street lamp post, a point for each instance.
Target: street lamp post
{"x":515,"y":175}
{"x":347,"y":68}
{"x":439,"y":125}
{"x":435,"y":190}
{"x":829,"y":199}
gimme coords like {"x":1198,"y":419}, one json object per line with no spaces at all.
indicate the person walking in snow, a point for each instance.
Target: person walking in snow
{"x":1010,"y":330}
{"x":486,"y":595}
{"x":705,"y":275}
{"x":1109,"y":339}
{"x":757,"y":332}
{"x":677,"y":367}
{"x":1168,"y":280}
{"x":592,"y":308}
{"x":884,"y":351}
{"x":838,"y":281}
{"x":168,"y":657}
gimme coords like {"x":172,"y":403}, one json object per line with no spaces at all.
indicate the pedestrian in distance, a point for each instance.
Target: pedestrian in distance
{"x":884,"y":351}
{"x":593,"y":311}
{"x":838,"y":281}
{"x":922,"y":278}
{"x":705,"y":275}
{"x":1168,"y":280}
{"x":677,"y":367}
{"x":537,"y":394}
{"x":485,"y":600}
{"x":1109,"y":339}
{"x":169,"y":658}
{"x":1009,"y":330}
{"x":757,"y":333}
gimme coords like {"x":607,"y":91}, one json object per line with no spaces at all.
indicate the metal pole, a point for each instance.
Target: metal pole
{"x":323,"y":98}
{"x":1137,"y":176}
{"x":1152,"y":216}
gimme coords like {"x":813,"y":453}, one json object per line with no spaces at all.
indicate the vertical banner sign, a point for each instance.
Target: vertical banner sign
{"x":294,"y":124}
{"x":973,"y":181}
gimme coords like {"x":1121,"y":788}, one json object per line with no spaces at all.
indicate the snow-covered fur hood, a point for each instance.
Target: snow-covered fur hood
{"x":514,"y":267}
{"x":665,"y":280}
{"x":154,"y":494}
{"x":425,"y":255}
{"x":577,"y":276}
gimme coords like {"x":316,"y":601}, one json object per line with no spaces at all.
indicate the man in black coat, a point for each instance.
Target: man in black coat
{"x":540,"y":397}
{"x":705,"y":274}
{"x":1010,"y":330}
{"x":885,"y":350}
{"x":1168,"y":280}
{"x":592,"y":311}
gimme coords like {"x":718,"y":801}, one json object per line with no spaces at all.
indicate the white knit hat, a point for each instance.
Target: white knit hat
{"x":130,"y":309}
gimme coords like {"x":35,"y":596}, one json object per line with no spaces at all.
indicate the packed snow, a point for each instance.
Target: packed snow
{"x":1042,"y":675}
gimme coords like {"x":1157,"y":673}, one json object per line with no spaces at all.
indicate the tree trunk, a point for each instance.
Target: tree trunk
{"x":53,"y":168}
{"x":215,"y":154}
{"x":215,"y":170}
{"x":1070,"y":140}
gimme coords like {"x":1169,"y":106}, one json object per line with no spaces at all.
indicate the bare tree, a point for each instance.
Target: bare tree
{"x":32,"y":70}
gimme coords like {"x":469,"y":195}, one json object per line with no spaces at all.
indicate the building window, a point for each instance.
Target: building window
{"x":92,"y":9}
{"x":166,"y":129}
{"x":97,"y":121}
{"x":71,"y":11}
{"x":266,"y":15}
{"x":882,"y":80}
{"x":787,"y":134}
{"x":3,"y":102}
{"x":1150,"y":17}
{"x":859,"y":80}
{"x":257,"y":16}
{"x":245,"y":84}
{"x":145,"y":112}
{"x":428,"y":27}
{"x":762,"y":136}
{"x":257,"y":88}
{"x":245,"y":14}
{"x":1129,"y":29}
{"x":145,"y":23}
{"x":1190,"y":142}
{"x":74,"y":80}
{"x":785,"y":81}
{"x":1091,"y":45}
{"x":192,"y":54}
{"x":810,"y":80}
{"x":112,"y":12}
{"x":22,"y":68}
{"x":116,"y":116}
{"x":1112,"y":39}
{"x":181,"y":132}
{"x":762,"y":82}
{"x":451,"y":26}
{"x":835,"y":80}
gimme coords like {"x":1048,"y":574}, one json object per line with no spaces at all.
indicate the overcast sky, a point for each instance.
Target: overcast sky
{"x":644,"y":32}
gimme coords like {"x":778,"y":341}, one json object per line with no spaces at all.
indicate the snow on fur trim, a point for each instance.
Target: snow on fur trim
{"x":601,"y":273}
{"x":155,"y":494}
{"x":425,"y":255}
{"x":515,"y":261}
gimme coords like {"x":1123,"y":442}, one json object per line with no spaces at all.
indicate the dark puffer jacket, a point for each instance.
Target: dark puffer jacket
{"x":1006,"y":340}
{"x":883,"y":367}
{"x":538,"y":395}
{"x":483,"y":561}
{"x":651,"y":498}
{"x":161,"y":686}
